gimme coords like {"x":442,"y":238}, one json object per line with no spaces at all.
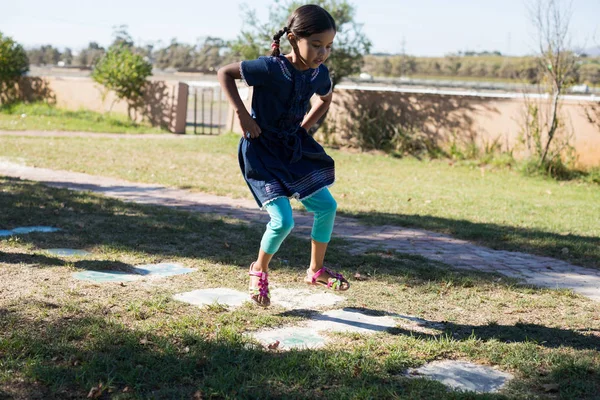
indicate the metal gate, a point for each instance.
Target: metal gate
{"x":207,"y":108}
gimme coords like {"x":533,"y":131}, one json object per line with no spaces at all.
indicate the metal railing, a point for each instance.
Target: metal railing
{"x":207,"y":108}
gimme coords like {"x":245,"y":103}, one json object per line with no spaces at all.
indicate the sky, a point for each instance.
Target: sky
{"x":420,"y":27}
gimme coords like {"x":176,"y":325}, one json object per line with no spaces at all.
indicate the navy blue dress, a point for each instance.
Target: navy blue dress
{"x":284,"y":161}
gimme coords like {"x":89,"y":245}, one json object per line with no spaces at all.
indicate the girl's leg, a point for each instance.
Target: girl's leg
{"x":324,"y":206}
{"x":278,"y":228}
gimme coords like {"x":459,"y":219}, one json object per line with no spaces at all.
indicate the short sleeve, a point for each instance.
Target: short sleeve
{"x":254,"y":72}
{"x":326,"y":85}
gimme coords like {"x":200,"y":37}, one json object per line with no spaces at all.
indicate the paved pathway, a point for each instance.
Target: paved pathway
{"x":536,"y":270}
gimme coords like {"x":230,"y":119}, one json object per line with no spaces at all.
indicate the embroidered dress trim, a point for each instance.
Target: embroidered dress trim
{"x":314,"y":75}
{"x":301,"y":188}
{"x":295,"y":196}
{"x":242,"y":74}
{"x":302,"y":185}
{"x":284,"y":69}
{"x":272,"y":200}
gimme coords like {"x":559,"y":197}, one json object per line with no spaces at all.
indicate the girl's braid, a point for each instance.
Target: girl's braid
{"x":275,"y":44}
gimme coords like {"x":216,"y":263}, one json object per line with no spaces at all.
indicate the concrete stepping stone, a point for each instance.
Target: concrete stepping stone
{"x":163,"y":269}
{"x":143,"y":271}
{"x":460,"y":375}
{"x":68,"y":252}
{"x":224,"y":296}
{"x":28,"y":229}
{"x":291,"y":338}
{"x":307,"y":334}
{"x":350,"y":320}
{"x":291,"y":299}
{"x":106,"y":276}
{"x":295,"y":299}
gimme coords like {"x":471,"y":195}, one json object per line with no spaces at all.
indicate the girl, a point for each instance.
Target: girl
{"x":278,"y":158}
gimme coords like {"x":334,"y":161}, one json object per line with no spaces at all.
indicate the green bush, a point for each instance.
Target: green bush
{"x":371,"y":127}
{"x":13,"y":65}
{"x":125,"y":73}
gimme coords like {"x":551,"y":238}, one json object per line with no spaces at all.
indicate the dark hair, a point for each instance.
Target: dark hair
{"x":304,"y":22}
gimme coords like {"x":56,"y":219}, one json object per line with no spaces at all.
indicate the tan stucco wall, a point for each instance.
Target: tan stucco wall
{"x":165,"y":101}
{"x":479,"y":119}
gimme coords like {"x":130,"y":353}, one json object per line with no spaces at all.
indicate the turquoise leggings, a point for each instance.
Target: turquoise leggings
{"x":322,"y":204}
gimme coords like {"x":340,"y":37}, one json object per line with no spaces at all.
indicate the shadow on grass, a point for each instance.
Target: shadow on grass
{"x":43,"y":261}
{"x":68,"y":356}
{"x":31,"y":259}
{"x":519,"y":333}
{"x":88,"y":221}
{"x":583,"y":250}
{"x":541,"y":335}
{"x":86,"y":351}
{"x":523,"y":332}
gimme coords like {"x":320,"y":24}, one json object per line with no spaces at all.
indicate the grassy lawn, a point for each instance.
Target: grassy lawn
{"x":498,"y":208}
{"x":42,"y":117}
{"x":60,"y":337}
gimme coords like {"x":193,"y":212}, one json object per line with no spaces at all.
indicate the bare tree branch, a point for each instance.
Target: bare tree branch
{"x":557,"y":61}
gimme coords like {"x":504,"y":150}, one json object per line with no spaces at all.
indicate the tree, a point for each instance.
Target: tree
{"x":35,"y":56}
{"x":557,"y":61}
{"x":175,"y":55}
{"x":13,"y":65}
{"x":67,"y":56}
{"x":146,"y":51}
{"x":44,"y":55}
{"x":122,"y":37}
{"x":51,"y":56}
{"x":210,"y":53}
{"x":91,"y":55}
{"x":125,"y":73}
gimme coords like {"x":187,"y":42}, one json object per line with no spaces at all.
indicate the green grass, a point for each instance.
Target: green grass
{"x":44,"y":117}
{"x":498,"y":208}
{"x":59,"y":337}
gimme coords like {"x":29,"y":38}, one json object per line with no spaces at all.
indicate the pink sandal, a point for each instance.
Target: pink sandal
{"x":260,"y":295}
{"x":335,"y":281}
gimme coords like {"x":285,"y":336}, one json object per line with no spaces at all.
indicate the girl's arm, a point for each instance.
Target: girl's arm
{"x":227,"y":76}
{"x":317,"y":111}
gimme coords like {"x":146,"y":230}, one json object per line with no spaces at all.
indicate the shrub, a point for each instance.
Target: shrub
{"x":13,"y":65}
{"x":125,"y":73}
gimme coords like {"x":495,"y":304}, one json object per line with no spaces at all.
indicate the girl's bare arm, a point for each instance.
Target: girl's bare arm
{"x":317,"y":111}
{"x":227,"y":76}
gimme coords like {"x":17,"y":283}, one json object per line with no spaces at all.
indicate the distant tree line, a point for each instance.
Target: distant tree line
{"x":207,"y":55}
{"x":488,"y":65}
{"x":210,"y":53}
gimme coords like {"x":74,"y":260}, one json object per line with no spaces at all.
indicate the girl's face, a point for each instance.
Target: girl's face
{"x":315,"y":49}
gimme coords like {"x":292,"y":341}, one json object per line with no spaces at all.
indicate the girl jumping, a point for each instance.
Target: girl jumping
{"x":278,"y":158}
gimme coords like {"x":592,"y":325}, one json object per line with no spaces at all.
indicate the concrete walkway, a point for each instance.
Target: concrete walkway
{"x":541,"y":271}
